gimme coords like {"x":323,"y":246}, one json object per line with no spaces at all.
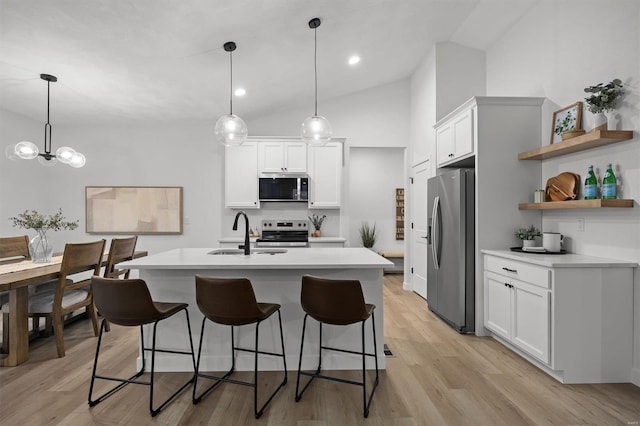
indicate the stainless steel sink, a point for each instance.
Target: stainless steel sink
{"x":233,"y":251}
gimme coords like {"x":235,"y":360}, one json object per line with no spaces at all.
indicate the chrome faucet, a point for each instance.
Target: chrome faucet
{"x":246,"y":247}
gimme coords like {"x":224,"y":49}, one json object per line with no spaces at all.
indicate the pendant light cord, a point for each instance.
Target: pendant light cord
{"x":230,"y":83}
{"x":47,"y":127}
{"x":315,"y":66}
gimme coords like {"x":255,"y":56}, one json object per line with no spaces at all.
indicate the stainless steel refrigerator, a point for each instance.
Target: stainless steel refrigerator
{"x":451,"y":248}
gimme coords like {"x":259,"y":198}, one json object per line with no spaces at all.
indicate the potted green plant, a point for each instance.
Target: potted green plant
{"x":40,"y":246}
{"x":316,"y":221}
{"x":528,"y":235}
{"x":368,"y":234}
{"x":603,"y":100}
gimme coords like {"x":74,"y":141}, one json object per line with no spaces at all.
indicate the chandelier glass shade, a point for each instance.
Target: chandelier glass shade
{"x":316,"y":130}
{"x":230,"y":129}
{"x":28,"y":150}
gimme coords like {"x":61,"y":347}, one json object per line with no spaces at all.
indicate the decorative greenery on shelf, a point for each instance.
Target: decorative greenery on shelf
{"x":569,"y":123}
{"x":31,"y":219}
{"x":368,"y":234}
{"x":528,"y":233}
{"x":604,"y":97}
{"x":317,"y":220}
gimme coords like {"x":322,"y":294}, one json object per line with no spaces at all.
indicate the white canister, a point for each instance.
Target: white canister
{"x":552,"y":241}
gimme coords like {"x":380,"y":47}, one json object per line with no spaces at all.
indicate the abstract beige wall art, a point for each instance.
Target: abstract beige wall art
{"x":133,"y":209}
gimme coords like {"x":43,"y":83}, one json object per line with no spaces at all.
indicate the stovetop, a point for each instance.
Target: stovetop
{"x":288,"y":233}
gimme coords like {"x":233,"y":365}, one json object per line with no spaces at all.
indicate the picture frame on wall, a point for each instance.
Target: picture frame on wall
{"x":564,"y":120}
{"x":136,"y":210}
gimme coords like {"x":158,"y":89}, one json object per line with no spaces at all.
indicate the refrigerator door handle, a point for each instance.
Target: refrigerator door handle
{"x":435,"y":232}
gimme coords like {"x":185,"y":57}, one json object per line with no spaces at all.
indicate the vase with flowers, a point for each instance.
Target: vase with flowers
{"x":316,"y":221}
{"x":41,"y":246}
{"x":602,"y":103}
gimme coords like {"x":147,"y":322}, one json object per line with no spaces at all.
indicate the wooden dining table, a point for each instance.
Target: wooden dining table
{"x":16,"y":278}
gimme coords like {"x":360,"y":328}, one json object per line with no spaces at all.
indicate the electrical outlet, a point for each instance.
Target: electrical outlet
{"x":581,"y":224}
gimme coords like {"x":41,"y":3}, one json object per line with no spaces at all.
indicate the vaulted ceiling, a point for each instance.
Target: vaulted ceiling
{"x":128,"y":60}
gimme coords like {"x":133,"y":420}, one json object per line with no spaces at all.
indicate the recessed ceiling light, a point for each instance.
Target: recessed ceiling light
{"x":354,"y":60}
{"x":240,"y":92}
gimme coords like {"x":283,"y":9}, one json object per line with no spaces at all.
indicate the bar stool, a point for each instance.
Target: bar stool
{"x":232,"y":301}
{"x":128,"y":303}
{"x":337,"y":302}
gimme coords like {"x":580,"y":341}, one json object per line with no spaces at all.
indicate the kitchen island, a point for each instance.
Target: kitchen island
{"x":276,"y":278}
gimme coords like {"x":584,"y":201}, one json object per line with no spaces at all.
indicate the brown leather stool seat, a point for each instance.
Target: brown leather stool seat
{"x":232,"y":302}
{"x":337,"y":302}
{"x":128,"y":303}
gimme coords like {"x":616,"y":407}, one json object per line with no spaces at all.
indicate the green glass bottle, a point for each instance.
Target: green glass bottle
{"x":590,"y":185}
{"x":609,"y":184}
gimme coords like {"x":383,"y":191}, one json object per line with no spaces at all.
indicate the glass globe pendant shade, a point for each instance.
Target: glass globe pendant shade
{"x":26,"y":150}
{"x":10,"y":152}
{"x":77,"y":160}
{"x":316,"y":130}
{"x":231,"y":130}
{"x":64,"y":154}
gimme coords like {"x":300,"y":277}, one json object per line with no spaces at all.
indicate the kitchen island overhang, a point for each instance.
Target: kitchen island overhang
{"x":276,"y":278}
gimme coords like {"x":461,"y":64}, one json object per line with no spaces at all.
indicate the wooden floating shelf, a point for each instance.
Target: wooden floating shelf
{"x":579,"y":143}
{"x":576,"y":204}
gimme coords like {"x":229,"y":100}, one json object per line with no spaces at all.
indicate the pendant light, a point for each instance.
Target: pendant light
{"x":231,"y":130}
{"x":316,"y":130}
{"x":28,"y":150}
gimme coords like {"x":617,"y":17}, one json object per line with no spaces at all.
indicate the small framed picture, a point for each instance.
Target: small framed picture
{"x":565,"y":119}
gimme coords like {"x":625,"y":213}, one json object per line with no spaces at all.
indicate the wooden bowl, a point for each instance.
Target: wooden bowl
{"x":572,"y":134}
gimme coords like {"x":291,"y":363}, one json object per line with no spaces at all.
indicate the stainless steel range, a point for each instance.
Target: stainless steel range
{"x":284,"y":233}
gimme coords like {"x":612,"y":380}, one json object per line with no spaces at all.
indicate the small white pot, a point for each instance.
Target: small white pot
{"x":528,"y":243}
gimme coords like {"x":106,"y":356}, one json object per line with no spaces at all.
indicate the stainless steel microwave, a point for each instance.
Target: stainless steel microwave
{"x":283,"y":187}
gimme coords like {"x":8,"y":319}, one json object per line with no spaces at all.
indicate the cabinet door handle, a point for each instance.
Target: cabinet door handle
{"x":515,"y":271}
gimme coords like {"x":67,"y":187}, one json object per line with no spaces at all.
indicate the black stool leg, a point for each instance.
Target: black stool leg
{"x":258,"y":413}
{"x":124,"y":382}
{"x":367,"y":404}
{"x":197,"y":398}
{"x":314,"y":375}
{"x":155,"y":411}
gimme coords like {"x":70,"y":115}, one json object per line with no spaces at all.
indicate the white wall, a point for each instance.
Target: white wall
{"x":374,"y":175}
{"x":446,"y":77}
{"x":148,"y":155}
{"x":555,"y":52}
{"x":180,"y":154}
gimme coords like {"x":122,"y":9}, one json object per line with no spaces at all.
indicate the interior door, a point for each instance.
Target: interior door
{"x":420,"y":229}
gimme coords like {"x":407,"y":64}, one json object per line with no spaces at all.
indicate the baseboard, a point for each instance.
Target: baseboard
{"x":635,"y":376}
{"x":407,"y":286}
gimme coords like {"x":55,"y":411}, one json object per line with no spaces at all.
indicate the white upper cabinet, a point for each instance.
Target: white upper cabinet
{"x":241,"y":176}
{"x":325,"y":176}
{"x":454,"y":138}
{"x":282,"y":157}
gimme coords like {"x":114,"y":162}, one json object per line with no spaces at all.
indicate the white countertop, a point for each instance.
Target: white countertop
{"x":568,"y":260}
{"x":307,"y":258}
{"x":240,"y":240}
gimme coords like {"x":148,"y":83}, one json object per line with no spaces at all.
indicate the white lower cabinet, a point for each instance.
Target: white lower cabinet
{"x":519,"y":312}
{"x":573,"y":318}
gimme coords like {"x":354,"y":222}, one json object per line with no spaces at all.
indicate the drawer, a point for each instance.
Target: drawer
{"x":531,"y":274}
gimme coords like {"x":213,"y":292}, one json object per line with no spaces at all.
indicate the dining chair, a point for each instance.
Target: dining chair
{"x":13,"y":250}
{"x":70,"y":296}
{"x":339,"y":303}
{"x":121,"y":250}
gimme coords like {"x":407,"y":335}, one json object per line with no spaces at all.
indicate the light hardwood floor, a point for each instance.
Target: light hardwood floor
{"x":435,"y":377}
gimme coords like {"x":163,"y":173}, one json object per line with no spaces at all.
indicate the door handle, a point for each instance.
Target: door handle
{"x":435,"y":232}
{"x":425,"y":237}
